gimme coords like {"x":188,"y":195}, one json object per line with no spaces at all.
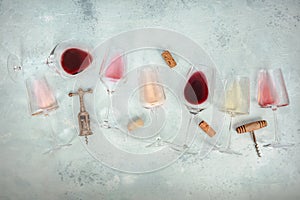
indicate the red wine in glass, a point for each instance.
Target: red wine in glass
{"x":196,"y":93}
{"x":75,"y":60}
{"x":196,"y":89}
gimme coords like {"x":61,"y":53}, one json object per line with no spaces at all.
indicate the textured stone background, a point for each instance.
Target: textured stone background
{"x":240,"y":36}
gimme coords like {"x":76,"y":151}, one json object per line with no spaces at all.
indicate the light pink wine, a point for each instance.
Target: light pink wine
{"x":115,"y":70}
{"x":152,"y":94}
{"x":266,"y":91}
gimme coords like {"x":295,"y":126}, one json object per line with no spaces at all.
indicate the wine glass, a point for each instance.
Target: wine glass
{"x":69,"y":58}
{"x":42,"y":101}
{"x":272,"y":94}
{"x":112,"y":70}
{"x":198,"y":92}
{"x":152,"y":96}
{"x":236,"y":102}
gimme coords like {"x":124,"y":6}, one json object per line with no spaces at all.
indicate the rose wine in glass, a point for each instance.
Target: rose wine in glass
{"x":272,"y":94}
{"x":198,"y":92}
{"x":112,"y":71}
{"x":42,"y":101}
{"x":236,"y":102}
{"x":152,"y":95}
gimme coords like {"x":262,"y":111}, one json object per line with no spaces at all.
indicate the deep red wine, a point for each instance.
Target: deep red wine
{"x":74,"y":60}
{"x":196,"y":89}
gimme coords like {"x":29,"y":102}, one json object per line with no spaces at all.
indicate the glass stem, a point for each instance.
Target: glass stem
{"x":109,"y":108}
{"x":276,"y":131}
{"x":229,"y":134}
{"x":188,"y":128}
{"x":54,"y":145}
{"x":155,"y":119}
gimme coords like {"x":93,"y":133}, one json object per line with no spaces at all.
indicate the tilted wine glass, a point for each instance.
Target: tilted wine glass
{"x":42,"y":101}
{"x":69,"y":58}
{"x":272,"y":94}
{"x":236,"y":102}
{"x":112,"y":70}
{"x":198,"y":92}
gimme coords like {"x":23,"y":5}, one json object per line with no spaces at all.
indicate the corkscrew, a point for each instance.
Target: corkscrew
{"x":251,"y":127}
{"x":83,"y":115}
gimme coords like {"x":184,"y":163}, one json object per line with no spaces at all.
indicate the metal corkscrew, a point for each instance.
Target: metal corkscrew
{"x":83,"y":115}
{"x":251,"y":127}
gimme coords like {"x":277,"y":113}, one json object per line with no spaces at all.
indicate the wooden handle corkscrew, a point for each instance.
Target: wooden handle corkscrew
{"x":251,"y":126}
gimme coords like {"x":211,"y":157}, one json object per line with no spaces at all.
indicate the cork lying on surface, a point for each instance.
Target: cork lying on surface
{"x":134,"y":124}
{"x":169,"y":59}
{"x":207,"y":128}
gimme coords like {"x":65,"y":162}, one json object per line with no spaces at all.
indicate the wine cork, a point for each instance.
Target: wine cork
{"x":136,"y":123}
{"x":207,"y":128}
{"x":169,"y":59}
{"x":252,"y":126}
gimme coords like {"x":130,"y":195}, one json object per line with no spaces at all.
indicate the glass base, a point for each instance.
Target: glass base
{"x":181,"y":148}
{"x":56,"y":148}
{"x":14,"y":68}
{"x":108,"y":125}
{"x":278,"y":145}
{"x":157,"y":143}
{"x":228,"y":151}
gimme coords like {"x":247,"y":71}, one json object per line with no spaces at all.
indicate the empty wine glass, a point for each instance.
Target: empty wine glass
{"x":236,"y":102}
{"x":112,"y":70}
{"x":41,"y":102}
{"x":272,"y":94}
{"x":69,"y":58}
{"x":198,"y":92}
{"x":152,"y":96}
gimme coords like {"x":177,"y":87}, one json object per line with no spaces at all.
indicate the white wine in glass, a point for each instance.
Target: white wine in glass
{"x":236,"y":102}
